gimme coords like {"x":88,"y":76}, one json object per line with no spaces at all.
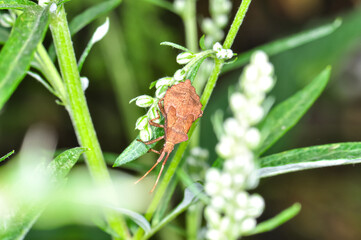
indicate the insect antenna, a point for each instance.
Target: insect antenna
{"x":158,"y":161}
{"x":160,"y":172}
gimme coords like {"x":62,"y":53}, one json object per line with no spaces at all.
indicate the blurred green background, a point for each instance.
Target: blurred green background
{"x":123,"y":64}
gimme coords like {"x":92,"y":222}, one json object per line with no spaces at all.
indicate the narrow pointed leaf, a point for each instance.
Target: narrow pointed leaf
{"x":136,"y":149}
{"x":6,"y":156}
{"x":20,"y":224}
{"x":309,"y":158}
{"x":276,"y":221}
{"x":16,"y":4}
{"x":18,"y":51}
{"x":286,"y":114}
{"x":285,"y":44}
{"x":174,"y":45}
{"x":136,"y":217}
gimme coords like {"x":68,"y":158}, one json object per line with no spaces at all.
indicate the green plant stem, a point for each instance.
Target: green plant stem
{"x":49,"y":70}
{"x":236,"y":24}
{"x":204,"y":100}
{"x":190,"y":25}
{"x":79,"y":112}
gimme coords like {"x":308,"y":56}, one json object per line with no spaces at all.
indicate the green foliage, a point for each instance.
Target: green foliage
{"x":190,"y":197}
{"x":16,"y":4}
{"x":136,"y":149}
{"x":284,"y":116}
{"x":276,"y":221}
{"x":20,"y":224}
{"x":310,"y":157}
{"x":17,"y":53}
{"x":285,"y":44}
{"x":4,"y":34}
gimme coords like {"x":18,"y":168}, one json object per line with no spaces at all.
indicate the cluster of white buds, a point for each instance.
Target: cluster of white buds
{"x":7,"y":20}
{"x":232,"y":210}
{"x":222,"y":53}
{"x":213,"y":27}
{"x":197,"y":163}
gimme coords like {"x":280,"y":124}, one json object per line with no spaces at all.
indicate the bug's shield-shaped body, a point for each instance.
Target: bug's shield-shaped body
{"x":181,"y":107}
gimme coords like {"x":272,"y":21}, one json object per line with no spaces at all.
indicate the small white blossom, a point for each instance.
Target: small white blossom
{"x":100,"y":32}
{"x":166,"y":81}
{"x":146,"y":134}
{"x":141,"y":123}
{"x":184,"y":57}
{"x":84,"y":83}
{"x":53,"y":8}
{"x":228,"y":188}
{"x":160,"y":92}
{"x":179,"y":75}
{"x":143,"y":101}
{"x":179,"y":5}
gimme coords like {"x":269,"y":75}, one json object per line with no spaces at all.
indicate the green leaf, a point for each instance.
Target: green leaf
{"x":276,"y":221}
{"x":136,"y":217}
{"x":201,"y":43}
{"x":136,"y":149}
{"x":98,"y":35}
{"x":17,"y":53}
{"x":190,"y":197}
{"x":91,"y":14}
{"x":309,"y":158}
{"x":285,"y":44}
{"x":174,"y":45}
{"x":4,"y":34}
{"x":86,"y":17}
{"x":20,"y":224}
{"x":7,"y":155}
{"x":285,"y":115}
{"x":16,"y":4}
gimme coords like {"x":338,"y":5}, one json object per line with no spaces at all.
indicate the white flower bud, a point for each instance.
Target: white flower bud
{"x":166,"y":81}
{"x":229,"y":54}
{"x":146,"y":134}
{"x":239,"y":179}
{"x":179,"y":75}
{"x":228,"y":193}
{"x":239,"y":214}
{"x":225,"y":224}
{"x":266,"y":83}
{"x":144,"y":101}
{"x":211,"y":188}
{"x":266,"y":68}
{"x":212,"y":175}
{"x":253,"y":138}
{"x":250,"y":74}
{"x":255,"y":205}
{"x":242,"y":199}
{"x":213,"y":234}
{"x":259,"y":58}
{"x":53,"y":8}
{"x":218,"y":202}
{"x":255,"y":114}
{"x":226,"y":180}
{"x":100,"y":32}
{"x":160,"y":92}
{"x":221,"y":20}
{"x":217,"y":47}
{"x":7,"y":20}
{"x":141,"y":123}
{"x":238,"y":102}
{"x":208,"y":26}
{"x":84,"y":83}
{"x":179,"y":5}
{"x":225,"y":146}
{"x":248,"y":224}
{"x":212,"y":215}
{"x":184,"y":57}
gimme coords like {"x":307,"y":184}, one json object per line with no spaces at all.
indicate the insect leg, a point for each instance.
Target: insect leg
{"x":161,"y":108}
{"x":155,"y":151}
{"x":158,"y":161}
{"x":160,"y":172}
{"x":151,"y":141}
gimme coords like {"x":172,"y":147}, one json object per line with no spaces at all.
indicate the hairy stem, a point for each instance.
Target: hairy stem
{"x":79,"y":112}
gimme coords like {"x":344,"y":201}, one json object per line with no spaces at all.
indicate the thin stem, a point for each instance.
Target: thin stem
{"x":50,"y":72}
{"x":190,"y":25}
{"x":237,"y":22}
{"x":79,"y":112}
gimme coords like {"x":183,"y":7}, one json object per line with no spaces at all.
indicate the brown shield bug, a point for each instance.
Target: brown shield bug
{"x":181,"y":107}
